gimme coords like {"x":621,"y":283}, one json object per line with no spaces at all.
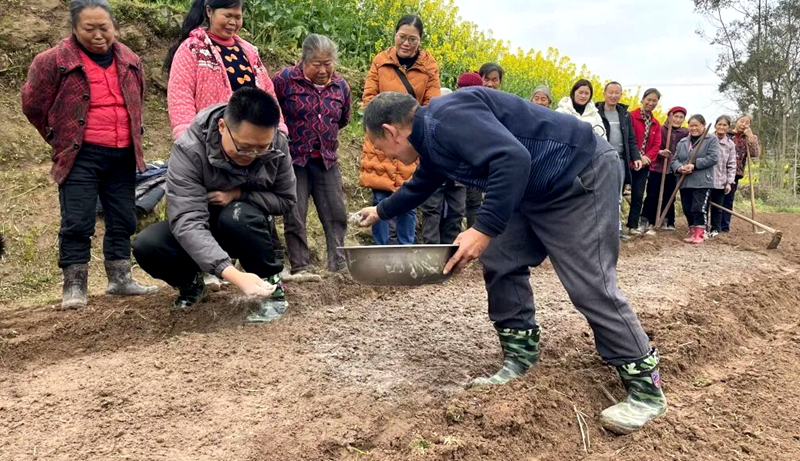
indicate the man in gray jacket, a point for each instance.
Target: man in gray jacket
{"x":229,"y":173}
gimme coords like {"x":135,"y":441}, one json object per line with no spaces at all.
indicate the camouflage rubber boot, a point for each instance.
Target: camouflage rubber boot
{"x":645,"y":399}
{"x":271,"y":308}
{"x":76,"y":279}
{"x":190,"y":294}
{"x":120,"y":282}
{"x":520,"y":352}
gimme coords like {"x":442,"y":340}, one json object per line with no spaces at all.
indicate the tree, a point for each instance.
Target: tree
{"x":759,"y":64}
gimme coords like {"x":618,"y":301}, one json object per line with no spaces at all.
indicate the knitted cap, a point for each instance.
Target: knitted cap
{"x":469,"y":79}
{"x":677,"y":109}
{"x":543,"y":89}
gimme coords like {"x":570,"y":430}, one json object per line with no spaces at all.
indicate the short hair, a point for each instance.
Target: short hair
{"x":580,"y":83}
{"x":410,"y":20}
{"x":490,"y":67}
{"x":389,"y":108}
{"x":650,"y":91}
{"x":315,"y":45}
{"x":699,"y":118}
{"x":252,"y":105}
{"x":77,"y":6}
{"x":613,"y":82}
{"x":724,"y":117}
{"x":743,"y":116}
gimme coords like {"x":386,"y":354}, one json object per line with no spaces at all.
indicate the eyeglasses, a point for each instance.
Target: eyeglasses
{"x":252,"y":152}
{"x":411,"y":39}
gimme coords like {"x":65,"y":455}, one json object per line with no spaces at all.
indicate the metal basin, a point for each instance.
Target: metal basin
{"x":398,"y":265}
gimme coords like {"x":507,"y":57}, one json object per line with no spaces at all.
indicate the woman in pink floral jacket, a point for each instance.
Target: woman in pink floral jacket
{"x":210,"y":61}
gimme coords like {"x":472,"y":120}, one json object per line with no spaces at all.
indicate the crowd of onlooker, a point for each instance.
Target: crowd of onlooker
{"x":249,"y":146}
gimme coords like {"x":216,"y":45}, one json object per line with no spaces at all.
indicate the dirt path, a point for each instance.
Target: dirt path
{"x":362,"y":373}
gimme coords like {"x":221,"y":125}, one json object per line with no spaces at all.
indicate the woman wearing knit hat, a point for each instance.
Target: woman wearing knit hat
{"x":541,"y":95}
{"x":675,"y":118}
{"x":648,"y":137}
{"x":579,"y":104}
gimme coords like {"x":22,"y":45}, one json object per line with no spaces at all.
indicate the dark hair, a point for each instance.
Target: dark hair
{"x":612,"y":83}
{"x":490,"y":67}
{"x":389,"y":107}
{"x":578,"y":84}
{"x":726,"y":118}
{"x":196,"y":17}
{"x":699,"y":118}
{"x":650,"y":91}
{"x":77,"y":6}
{"x":253,"y":105}
{"x":410,"y":20}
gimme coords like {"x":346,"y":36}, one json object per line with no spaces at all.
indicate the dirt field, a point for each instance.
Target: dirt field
{"x":361,"y":373}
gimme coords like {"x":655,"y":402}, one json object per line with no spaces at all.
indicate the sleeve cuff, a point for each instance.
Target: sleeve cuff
{"x":381,"y":212}
{"x":222,"y":266}
{"x":483,"y":228}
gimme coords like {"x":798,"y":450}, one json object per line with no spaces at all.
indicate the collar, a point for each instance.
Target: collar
{"x":417,"y":136}
{"x":68,"y":55}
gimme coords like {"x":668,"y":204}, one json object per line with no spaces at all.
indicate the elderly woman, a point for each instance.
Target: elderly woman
{"x":699,"y":176}
{"x":84,"y":96}
{"x":316,"y":103}
{"x":541,"y":95}
{"x":210,"y":61}
{"x":746,"y":143}
{"x":404,"y":68}
{"x":648,"y":138}
{"x":579,"y":104}
{"x":724,"y":172}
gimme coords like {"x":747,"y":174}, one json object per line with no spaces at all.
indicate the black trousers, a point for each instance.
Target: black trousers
{"x":248,"y":238}
{"x":443,"y":214}
{"x":651,"y":201}
{"x":695,"y":203}
{"x":728,"y":203}
{"x":716,"y":196}
{"x":638,"y":185}
{"x":474,"y":202}
{"x":111,"y":175}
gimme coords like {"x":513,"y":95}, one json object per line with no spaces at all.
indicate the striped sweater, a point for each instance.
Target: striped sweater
{"x":496,"y":142}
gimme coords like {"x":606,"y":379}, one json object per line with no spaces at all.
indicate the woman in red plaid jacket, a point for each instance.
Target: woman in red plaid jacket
{"x":84,"y":96}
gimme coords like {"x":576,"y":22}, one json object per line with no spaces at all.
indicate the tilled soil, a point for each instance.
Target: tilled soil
{"x":353,"y":372}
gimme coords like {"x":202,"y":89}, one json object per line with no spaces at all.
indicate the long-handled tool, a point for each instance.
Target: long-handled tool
{"x":692,"y":158}
{"x":752,"y":186}
{"x":776,"y":234}
{"x":663,"y":178}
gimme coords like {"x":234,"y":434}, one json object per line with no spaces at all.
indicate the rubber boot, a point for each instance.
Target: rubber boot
{"x":690,"y":234}
{"x":190,"y":294}
{"x":272,"y":308}
{"x":699,"y":235}
{"x":120,"y":282}
{"x":76,"y":279}
{"x":645,"y":399}
{"x":520,"y":352}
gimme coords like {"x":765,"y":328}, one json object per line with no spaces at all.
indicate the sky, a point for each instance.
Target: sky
{"x":636,"y":42}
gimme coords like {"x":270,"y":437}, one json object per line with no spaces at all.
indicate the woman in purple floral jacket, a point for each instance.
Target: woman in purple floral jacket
{"x":316,"y":103}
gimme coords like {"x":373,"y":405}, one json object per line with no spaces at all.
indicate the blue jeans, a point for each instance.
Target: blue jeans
{"x":406,"y":223}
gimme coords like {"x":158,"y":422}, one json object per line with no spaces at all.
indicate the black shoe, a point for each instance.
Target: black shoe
{"x":191,"y":294}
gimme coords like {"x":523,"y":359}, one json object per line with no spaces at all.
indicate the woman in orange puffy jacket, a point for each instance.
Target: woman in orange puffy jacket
{"x":403,"y":68}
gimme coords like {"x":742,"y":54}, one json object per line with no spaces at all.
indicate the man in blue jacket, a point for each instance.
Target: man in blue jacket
{"x":552,"y":189}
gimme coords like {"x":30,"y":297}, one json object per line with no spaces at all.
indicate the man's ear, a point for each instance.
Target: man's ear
{"x":221,"y":123}
{"x":390,"y":131}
